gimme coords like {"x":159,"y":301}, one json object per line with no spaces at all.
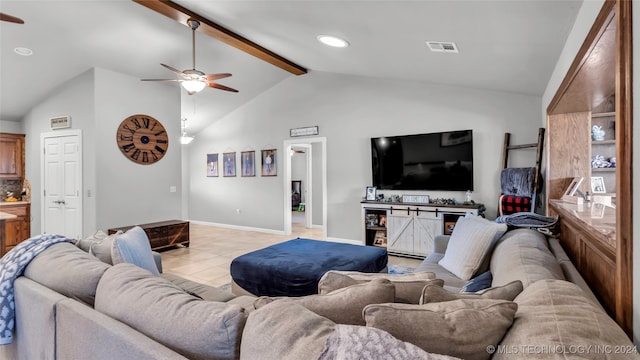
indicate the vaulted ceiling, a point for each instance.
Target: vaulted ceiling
{"x":509,"y":46}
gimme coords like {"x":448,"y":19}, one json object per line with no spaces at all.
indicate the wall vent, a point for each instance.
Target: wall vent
{"x":442,"y":46}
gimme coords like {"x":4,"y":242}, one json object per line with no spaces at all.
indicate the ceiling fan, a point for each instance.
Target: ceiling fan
{"x":9,"y":18}
{"x":194,"y":80}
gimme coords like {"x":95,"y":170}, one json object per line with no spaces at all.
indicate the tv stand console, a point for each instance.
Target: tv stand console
{"x":409,"y":229}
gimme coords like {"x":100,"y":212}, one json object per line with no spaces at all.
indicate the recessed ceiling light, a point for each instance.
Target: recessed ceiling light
{"x":333,"y":41}
{"x":23,"y":51}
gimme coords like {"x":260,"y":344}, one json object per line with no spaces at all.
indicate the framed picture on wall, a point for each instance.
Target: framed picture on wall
{"x":229,"y":164}
{"x":212,"y":165}
{"x":248,"y":163}
{"x":269,"y":164}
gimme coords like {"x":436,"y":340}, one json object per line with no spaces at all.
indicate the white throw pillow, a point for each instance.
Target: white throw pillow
{"x":471,"y":241}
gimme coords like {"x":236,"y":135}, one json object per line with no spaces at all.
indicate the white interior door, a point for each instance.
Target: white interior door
{"x":62,"y":185}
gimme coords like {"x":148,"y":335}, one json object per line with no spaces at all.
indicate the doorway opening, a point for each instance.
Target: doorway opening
{"x":305,"y":184}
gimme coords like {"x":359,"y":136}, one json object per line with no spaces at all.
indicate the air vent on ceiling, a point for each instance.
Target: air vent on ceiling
{"x":442,"y":46}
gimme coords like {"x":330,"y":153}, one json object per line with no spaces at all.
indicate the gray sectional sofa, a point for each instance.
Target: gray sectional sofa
{"x":70,"y":305}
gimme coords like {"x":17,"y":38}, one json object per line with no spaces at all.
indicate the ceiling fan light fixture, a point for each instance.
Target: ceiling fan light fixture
{"x":185,"y":139}
{"x":333,"y":41}
{"x":193,"y":86}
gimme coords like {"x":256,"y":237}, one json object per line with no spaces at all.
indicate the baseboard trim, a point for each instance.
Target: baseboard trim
{"x":238,"y":227}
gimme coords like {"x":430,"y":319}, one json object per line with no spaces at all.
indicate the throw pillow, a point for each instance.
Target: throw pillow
{"x":470,"y":244}
{"x":342,"y":306}
{"x":480,"y":282}
{"x":154,"y":306}
{"x":408,"y":286}
{"x":461,"y":328}
{"x":133,"y":247}
{"x":99,"y":245}
{"x":285,"y":331}
{"x":432,"y":294}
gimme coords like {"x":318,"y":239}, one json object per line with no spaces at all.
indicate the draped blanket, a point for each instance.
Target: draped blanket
{"x":350,"y":342}
{"x":517,"y":181}
{"x":12,"y":265}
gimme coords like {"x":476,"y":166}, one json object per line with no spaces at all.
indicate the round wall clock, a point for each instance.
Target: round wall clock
{"x":142,"y":139}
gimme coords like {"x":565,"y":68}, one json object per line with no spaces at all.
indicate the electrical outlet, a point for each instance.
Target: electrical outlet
{"x":172,"y":189}
{"x":238,"y":211}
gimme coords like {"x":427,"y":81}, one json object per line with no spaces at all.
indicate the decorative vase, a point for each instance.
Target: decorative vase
{"x":597,"y":134}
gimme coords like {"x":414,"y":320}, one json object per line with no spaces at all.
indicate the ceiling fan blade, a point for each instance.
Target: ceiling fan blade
{"x":221,"y":87}
{"x":165,"y":80}
{"x":217,"y":76}
{"x":173,"y":69}
{"x":9,"y":18}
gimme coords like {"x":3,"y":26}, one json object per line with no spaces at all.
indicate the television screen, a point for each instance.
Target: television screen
{"x":435,"y":161}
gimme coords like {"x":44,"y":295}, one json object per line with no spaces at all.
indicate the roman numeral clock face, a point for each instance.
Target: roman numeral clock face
{"x":142,"y":139}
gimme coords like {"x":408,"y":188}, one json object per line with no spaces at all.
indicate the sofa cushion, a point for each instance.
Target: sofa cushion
{"x":99,"y":245}
{"x":164,"y":312}
{"x":461,"y":328}
{"x":438,"y":294}
{"x":342,"y":306}
{"x":470,"y":244}
{"x":430,"y":264}
{"x":523,"y":255}
{"x":68,"y":270}
{"x":284,"y":331}
{"x":202,"y":291}
{"x":133,"y":247}
{"x":556,"y":317}
{"x":408,"y":286}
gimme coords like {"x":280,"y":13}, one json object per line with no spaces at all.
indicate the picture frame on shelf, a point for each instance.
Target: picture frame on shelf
{"x":573,"y":186}
{"x":380,"y":239}
{"x":248,"y":163}
{"x":229,"y":164}
{"x":212,"y":165}
{"x":269,"y":164}
{"x":371,"y":193}
{"x":597,"y":185}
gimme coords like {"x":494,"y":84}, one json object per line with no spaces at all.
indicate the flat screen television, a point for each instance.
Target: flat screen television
{"x":434,"y":161}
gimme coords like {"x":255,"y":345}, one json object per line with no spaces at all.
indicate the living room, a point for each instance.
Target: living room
{"x":348,"y":109}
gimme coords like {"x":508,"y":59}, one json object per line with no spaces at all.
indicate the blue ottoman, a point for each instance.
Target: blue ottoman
{"x":294,"y":267}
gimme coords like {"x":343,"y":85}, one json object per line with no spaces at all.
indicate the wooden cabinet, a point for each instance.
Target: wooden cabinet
{"x":162,"y":234}
{"x":409,"y":229}
{"x":18,"y":229}
{"x":11,"y":156}
{"x":587,"y":233}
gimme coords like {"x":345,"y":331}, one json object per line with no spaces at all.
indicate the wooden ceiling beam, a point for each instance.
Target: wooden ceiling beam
{"x":216,"y":31}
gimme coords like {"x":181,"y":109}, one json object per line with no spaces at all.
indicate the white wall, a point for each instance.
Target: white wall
{"x":11,"y":127}
{"x":122,"y":192}
{"x":349,"y":111}
{"x":76,"y":99}
{"x":299,"y":172}
{"x":129,"y":193}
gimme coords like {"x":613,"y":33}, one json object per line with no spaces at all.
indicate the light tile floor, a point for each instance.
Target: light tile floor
{"x":211,"y":250}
